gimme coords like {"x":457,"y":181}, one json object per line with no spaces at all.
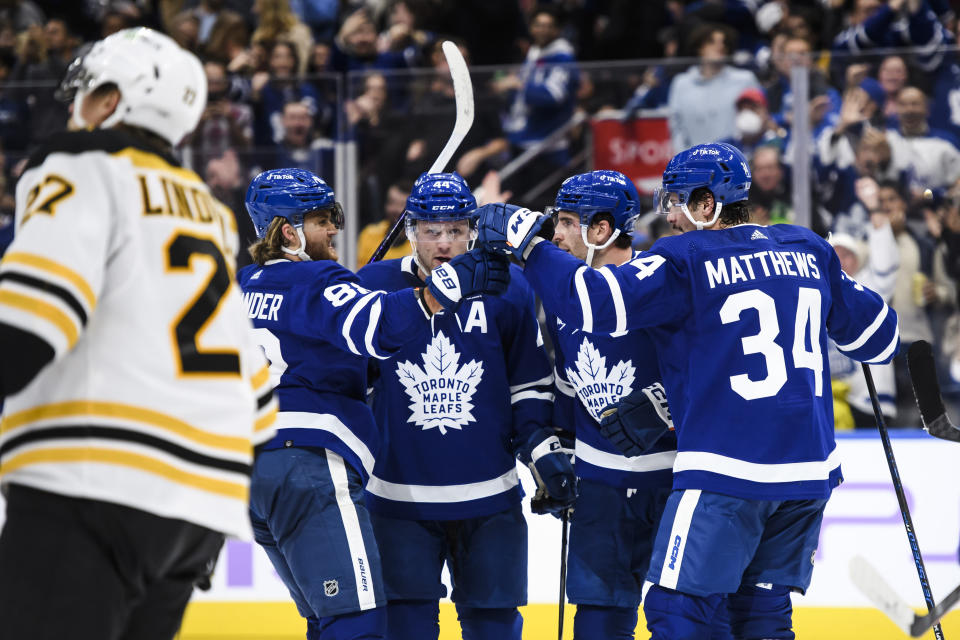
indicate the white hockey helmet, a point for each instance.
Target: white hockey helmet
{"x":162,"y":86}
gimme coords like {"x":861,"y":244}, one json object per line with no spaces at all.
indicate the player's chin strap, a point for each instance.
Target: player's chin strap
{"x":300,"y":251}
{"x":699,"y":223}
{"x":592,"y":248}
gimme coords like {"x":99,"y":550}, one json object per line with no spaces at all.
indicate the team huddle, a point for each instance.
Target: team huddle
{"x":681,"y":421}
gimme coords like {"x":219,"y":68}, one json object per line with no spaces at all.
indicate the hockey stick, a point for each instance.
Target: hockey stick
{"x":463,"y":94}
{"x":564,"y":522}
{"x":901,"y":498}
{"x":872,"y":585}
{"x":926,"y":389}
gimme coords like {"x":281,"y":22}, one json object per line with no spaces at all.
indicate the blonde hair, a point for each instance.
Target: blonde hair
{"x":270,"y":247}
{"x":275,"y":20}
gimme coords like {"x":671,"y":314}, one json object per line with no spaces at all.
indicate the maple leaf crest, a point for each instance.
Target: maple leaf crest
{"x":440,"y":391}
{"x":596,"y":386}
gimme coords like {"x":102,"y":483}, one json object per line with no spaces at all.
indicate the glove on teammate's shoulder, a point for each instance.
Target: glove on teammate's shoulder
{"x":637,"y":421}
{"x":469,"y":274}
{"x":507,"y":228}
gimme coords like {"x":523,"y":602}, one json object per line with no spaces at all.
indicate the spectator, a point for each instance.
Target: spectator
{"x":185,"y":30}
{"x":43,"y":62}
{"x":402,"y":34}
{"x":299,"y":147}
{"x":873,"y":264}
{"x":435,"y":114}
{"x":275,"y":23}
{"x":119,"y":16}
{"x":893,"y":76}
{"x":319,"y":15}
{"x":796,"y":50}
{"x":228,"y":38}
{"x":542,"y":98}
{"x":21,"y":14}
{"x":753,"y":125}
{"x":270,"y":90}
{"x":702,"y":99}
{"x":224,"y":124}
{"x":227,"y":181}
{"x":933,"y":161}
{"x":373,"y":234}
{"x":769,"y":189}
{"x":355,"y":47}
{"x":14,"y":134}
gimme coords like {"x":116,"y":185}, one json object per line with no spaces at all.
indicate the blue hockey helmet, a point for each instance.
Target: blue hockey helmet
{"x":440,"y":196}
{"x":717,"y":166}
{"x":289,"y":194}
{"x":587,"y":194}
{"x":602,"y":191}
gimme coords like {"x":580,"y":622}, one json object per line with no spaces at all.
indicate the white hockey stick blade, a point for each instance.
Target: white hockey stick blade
{"x":463,"y":93}
{"x":869,"y":581}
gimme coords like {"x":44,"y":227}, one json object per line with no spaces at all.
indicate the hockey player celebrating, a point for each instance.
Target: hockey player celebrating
{"x":318,"y":327}
{"x":133,"y":390}
{"x":620,"y":498}
{"x":455,"y":404}
{"x":740,"y":314}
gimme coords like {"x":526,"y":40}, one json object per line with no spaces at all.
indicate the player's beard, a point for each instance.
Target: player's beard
{"x":322,"y":250}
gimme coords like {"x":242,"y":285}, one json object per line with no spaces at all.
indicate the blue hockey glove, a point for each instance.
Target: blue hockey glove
{"x":468,"y":274}
{"x":552,"y":471}
{"x":541,"y":502}
{"x":507,"y":228}
{"x":635,"y":423}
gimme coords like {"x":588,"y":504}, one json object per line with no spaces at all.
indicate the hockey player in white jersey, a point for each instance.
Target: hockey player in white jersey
{"x":740,"y":314}
{"x":134,"y":392}
{"x":621,"y":498}
{"x":456,"y":404}
{"x":318,"y":326}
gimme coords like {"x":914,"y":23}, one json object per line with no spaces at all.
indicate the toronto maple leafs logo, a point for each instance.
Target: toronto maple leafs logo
{"x":596,"y":387}
{"x":440,"y":391}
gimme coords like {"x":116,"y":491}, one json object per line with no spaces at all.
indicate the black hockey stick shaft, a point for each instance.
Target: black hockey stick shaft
{"x":564,"y":522}
{"x":922,"y":623}
{"x":901,"y":497}
{"x":926,"y":390}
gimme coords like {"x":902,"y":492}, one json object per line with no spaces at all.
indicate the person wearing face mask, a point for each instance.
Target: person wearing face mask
{"x":752,"y":124}
{"x":456,"y":405}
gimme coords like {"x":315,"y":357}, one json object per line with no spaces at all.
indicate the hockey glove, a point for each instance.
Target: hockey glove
{"x":541,"y":502}
{"x":552,"y":471}
{"x":635,"y":423}
{"x":507,"y":228}
{"x":468,"y":274}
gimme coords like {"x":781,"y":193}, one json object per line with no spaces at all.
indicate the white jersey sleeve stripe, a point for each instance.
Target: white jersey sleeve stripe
{"x":542,"y":381}
{"x":890,"y":348}
{"x":584,"y":296}
{"x":372,"y":324}
{"x":617,"y":295}
{"x":45,"y":311}
{"x":528,"y":395}
{"x":348,"y":324}
{"x":366,"y":595}
{"x":867,"y":333}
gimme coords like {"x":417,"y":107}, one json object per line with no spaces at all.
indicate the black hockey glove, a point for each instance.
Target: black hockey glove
{"x":468,"y":274}
{"x":635,"y":423}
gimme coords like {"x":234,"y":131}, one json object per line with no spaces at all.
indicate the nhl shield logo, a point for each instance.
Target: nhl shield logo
{"x":331,"y":588}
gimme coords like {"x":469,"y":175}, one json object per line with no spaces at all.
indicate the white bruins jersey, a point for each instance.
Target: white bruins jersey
{"x":148,"y":389}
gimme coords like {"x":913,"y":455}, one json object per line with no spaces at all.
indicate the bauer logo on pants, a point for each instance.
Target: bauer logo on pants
{"x":440,"y":391}
{"x":331,"y":588}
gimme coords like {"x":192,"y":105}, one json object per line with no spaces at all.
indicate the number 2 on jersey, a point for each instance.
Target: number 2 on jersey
{"x":195,"y":317}
{"x":807,"y":325}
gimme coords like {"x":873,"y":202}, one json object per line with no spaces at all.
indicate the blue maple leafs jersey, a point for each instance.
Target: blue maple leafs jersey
{"x":455,"y":400}
{"x":318,"y":327}
{"x":740,"y":318}
{"x":591,"y":371}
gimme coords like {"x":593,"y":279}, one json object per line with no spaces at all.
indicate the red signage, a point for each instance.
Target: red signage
{"x":639,"y":148}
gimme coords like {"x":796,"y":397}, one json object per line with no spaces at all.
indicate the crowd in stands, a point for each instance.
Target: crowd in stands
{"x":289,"y":78}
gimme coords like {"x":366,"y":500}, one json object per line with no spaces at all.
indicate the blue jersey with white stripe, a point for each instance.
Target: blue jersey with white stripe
{"x":740,"y":317}
{"x":317,"y":327}
{"x":591,"y":371}
{"x":455,"y":401}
